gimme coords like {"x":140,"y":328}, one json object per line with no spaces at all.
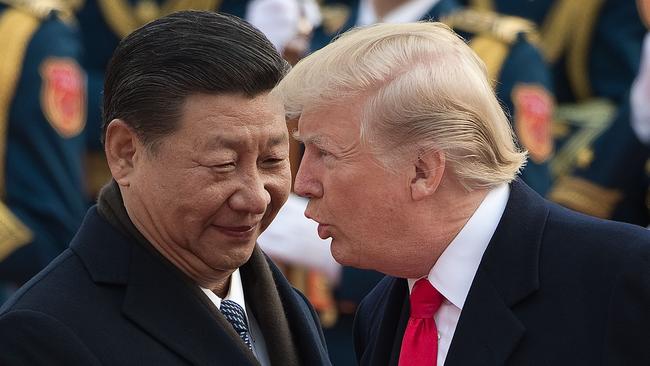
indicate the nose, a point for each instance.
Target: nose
{"x":306,"y":183}
{"x":252,"y":197}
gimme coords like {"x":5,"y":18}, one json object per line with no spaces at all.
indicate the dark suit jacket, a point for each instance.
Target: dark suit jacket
{"x":110,"y":300}
{"x":553,"y":288}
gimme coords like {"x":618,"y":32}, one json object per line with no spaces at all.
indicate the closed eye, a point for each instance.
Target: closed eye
{"x":273,"y":162}
{"x":224,"y":168}
{"x":318,"y":152}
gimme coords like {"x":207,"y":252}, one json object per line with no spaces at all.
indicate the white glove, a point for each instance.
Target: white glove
{"x":640,"y":96}
{"x":277,"y":19}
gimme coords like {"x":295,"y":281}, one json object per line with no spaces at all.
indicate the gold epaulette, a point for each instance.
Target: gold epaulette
{"x":483,"y":5}
{"x":41,"y":9}
{"x":502,"y":27}
{"x":123,"y":17}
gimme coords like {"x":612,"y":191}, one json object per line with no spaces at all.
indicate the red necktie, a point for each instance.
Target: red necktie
{"x":420,"y":342}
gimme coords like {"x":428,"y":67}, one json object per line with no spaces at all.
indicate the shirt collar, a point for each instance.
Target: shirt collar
{"x":411,"y":11}
{"x":235,"y":292}
{"x":453,"y":273}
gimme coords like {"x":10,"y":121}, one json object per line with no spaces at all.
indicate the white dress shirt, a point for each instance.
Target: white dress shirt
{"x":236,"y":294}
{"x":453,"y":273}
{"x":411,"y":11}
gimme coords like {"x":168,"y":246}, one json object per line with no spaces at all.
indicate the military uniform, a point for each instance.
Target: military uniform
{"x":522,"y":82}
{"x":42,"y":117}
{"x":594,"y":49}
{"x":612,"y":180}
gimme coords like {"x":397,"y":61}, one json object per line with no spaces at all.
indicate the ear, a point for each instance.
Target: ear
{"x":120,"y":146}
{"x":429,"y":169}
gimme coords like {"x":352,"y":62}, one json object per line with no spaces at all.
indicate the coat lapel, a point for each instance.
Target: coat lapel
{"x":386,"y":335}
{"x":405,"y":313}
{"x":263,"y":299}
{"x":301,"y":324}
{"x":157,"y":297}
{"x":488,"y":331}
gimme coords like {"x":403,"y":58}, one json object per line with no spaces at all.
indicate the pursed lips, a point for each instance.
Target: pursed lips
{"x":323,"y":231}
{"x":323,"y":228}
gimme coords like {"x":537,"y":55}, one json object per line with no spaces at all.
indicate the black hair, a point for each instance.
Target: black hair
{"x":155,"y":68}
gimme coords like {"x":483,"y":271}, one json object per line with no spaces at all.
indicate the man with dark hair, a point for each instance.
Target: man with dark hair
{"x":165,"y":269}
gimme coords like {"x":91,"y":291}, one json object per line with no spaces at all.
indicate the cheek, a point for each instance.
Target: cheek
{"x":199,"y":202}
{"x":373,"y":209}
{"x":279,"y":187}
{"x":279,"y":193}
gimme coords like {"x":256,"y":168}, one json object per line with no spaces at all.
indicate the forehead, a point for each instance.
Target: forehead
{"x":230,"y":118}
{"x":340,"y":122}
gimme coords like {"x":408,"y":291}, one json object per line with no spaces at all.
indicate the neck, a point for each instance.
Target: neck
{"x":444,"y":216}
{"x":221,"y":289}
{"x":458,"y":212}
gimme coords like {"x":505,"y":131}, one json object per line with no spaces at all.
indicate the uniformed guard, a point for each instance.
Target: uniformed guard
{"x":593,"y":46}
{"x":522,"y":82}
{"x":594,"y":50}
{"x":42,"y":118}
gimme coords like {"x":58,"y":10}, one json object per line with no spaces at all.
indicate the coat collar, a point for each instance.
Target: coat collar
{"x":508,"y":273}
{"x":178,"y":314}
{"x":285,"y":318}
{"x":163,"y":301}
{"x":488,"y":331}
{"x":389,"y":318}
{"x":158,"y":297}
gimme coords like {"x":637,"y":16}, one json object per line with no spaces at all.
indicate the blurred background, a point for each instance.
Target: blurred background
{"x":573,"y":76}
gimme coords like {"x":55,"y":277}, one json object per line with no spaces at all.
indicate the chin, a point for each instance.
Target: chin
{"x":229,"y":260}
{"x":344,"y":258}
{"x":241,"y":257}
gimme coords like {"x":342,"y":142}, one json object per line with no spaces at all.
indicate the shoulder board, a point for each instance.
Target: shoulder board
{"x":41,"y":9}
{"x":123,"y":16}
{"x":502,"y":27}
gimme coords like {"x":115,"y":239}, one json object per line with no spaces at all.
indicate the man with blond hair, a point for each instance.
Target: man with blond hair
{"x":411,"y":168}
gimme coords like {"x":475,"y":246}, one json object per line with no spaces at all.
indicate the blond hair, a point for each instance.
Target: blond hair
{"x":422,"y":87}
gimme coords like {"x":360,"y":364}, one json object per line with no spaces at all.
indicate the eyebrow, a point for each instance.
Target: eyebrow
{"x":278,"y":139}
{"x":315,"y":140}
{"x":221,"y":141}
{"x":230,"y":143}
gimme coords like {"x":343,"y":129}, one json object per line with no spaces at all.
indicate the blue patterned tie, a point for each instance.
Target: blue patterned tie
{"x":236,"y":316}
